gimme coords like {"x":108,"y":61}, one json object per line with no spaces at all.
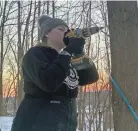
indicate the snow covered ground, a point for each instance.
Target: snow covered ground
{"x":6,"y":122}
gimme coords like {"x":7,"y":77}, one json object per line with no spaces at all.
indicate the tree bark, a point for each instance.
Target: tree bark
{"x":19,"y":60}
{"x":39,"y":11}
{"x":2,"y":58}
{"x":123,"y":27}
{"x":53,"y":9}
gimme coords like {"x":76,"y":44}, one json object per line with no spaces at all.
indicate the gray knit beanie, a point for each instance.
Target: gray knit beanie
{"x":46,"y":23}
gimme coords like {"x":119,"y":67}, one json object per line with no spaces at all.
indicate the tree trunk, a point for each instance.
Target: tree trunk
{"x":123,"y":21}
{"x":1,"y":59}
{"x":39,"y":11}
{"x":33,"y":25}
{"x":48,"y":7}
{"x":19,"y":60}
{"x":53,"y":9}
{"x":26,"y":32}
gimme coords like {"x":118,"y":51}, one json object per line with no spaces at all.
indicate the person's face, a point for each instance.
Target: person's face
{"x":56,"y":35}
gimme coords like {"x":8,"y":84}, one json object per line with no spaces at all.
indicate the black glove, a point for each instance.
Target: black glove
{"x":75,"y":45}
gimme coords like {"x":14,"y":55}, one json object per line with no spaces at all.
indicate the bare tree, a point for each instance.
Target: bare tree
{"x":123,"y":20}
{"x":53,"y":8}
{"x":26,"y":37}
{"x":33,"y":25}
{"x":39,"y":11}
{"x":48,"y":7}
{"x":19,"y":57}
{"x":1,"y":57}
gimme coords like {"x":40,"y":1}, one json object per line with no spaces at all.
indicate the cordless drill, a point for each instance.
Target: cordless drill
{"x":81,"y":62}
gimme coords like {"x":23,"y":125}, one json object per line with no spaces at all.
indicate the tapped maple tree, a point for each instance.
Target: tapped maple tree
{"x":123,"y":27}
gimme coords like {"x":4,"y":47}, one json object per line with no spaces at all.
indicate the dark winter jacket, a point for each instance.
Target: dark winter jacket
{"x":50,"y":86}
{"x":46,"y":73}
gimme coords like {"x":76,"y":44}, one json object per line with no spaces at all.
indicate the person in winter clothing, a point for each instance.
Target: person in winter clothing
{"x":50,"y":81}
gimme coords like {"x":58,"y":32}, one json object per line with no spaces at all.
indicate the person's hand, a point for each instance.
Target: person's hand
{"x":75,"y":45}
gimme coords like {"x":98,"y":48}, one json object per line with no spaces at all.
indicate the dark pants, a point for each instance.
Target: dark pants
{"x":46,"y":115}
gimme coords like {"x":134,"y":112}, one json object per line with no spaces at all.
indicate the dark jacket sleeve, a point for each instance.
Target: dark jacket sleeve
{"x":47,"y":76}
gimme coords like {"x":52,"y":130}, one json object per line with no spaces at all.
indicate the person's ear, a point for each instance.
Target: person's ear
{"x":47,"y":35}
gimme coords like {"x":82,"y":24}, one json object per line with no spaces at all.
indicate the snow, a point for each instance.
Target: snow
{"x":5,"y":123}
